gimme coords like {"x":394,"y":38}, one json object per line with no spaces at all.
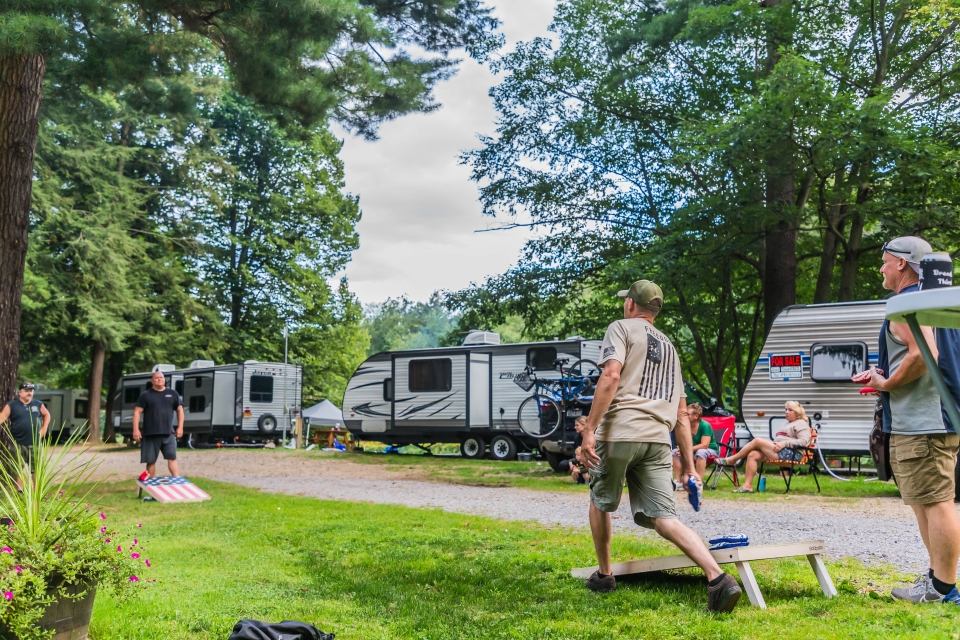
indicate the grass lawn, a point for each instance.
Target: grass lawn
{"x":374,"y":571}
{"x":538,"y":475}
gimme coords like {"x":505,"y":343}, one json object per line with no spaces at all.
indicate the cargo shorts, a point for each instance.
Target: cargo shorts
{"x":924,"y":466}
{"x":647,"y":468}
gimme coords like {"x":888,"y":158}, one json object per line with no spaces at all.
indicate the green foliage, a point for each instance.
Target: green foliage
{"x":402,"y":324}
{"x":56,"y":538}
{"x":744,"y":155}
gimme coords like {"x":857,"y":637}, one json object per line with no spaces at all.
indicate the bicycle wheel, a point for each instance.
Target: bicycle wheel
{"x":584,"y":369}
{"x":538,"y":416}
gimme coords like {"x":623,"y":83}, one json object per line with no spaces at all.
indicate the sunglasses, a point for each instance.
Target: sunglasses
{"x":887,"y":248}
{"x":27,"y":387}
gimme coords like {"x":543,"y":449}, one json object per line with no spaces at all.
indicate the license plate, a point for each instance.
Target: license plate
{"x":574,"y":413}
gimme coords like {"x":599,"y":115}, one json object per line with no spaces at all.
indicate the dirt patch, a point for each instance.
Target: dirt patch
{"x":118,"y":462}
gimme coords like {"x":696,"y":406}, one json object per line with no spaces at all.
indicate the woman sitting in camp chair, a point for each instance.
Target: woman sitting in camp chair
{"x":786,"y":446}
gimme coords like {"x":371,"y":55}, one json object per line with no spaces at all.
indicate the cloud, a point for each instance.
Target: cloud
{"x":420,"y":209}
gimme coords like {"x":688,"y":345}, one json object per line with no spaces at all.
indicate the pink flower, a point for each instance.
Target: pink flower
{"x":18,"y":569}
{"x":135,"y":556}
{"x":61,"y":493}
{"x":132,"y":579}
{"x":119,"y":548}
{"x":7,"y":550}
{"x":8,"y":595}
{"x":107,"y":540}
{"x":103,"y":529}
{"x":134,"y":541}
{"x":102,"y":517}
{"x":139,"y":524}
{"x":147,"y":562}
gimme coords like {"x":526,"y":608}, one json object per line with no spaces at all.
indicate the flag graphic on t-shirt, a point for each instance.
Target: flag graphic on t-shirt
{"x":659,"y":369}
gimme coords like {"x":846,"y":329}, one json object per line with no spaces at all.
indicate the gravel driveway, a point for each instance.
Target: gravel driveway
{"x":871,"y":529}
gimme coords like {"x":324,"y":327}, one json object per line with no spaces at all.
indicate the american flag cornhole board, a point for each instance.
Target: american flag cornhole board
{"x":171,"y":489}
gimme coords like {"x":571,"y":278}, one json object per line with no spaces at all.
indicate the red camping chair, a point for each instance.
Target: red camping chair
{"x":725,"y":433}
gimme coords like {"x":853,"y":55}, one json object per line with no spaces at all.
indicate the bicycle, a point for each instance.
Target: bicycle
{"x":541,"y":414}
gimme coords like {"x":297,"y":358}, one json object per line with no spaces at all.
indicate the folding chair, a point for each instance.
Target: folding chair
{"x":725,"y":433}
{"x":787,"y":468}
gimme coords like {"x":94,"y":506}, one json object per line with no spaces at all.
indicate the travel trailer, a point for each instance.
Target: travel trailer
{"x":68,"y":409}
{"x":464,"y":394}
{"x":253,"y":399}
{"x":809,"y":356}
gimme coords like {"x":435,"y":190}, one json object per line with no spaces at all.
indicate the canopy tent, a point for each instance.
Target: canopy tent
{"x":325,"y":414}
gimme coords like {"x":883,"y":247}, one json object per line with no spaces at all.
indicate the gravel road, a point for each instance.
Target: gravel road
{"x":871,"y":529}
{"x":869,"y":537}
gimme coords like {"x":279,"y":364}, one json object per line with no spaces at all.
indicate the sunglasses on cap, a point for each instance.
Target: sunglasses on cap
{"x":888,"y":249}
{"x":26,"y":386}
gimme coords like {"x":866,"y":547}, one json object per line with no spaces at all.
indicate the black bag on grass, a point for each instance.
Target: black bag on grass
{"x":286,"y":630}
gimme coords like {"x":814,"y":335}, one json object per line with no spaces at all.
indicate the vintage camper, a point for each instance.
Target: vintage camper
{"x":463,"y":394}
{"x":253,"y":399}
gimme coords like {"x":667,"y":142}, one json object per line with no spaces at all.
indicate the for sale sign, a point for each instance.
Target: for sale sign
{"x":786,"y":366}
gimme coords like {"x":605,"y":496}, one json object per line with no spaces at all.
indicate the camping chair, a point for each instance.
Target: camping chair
{"x":787,"y":468}
{"x":725,"y":433}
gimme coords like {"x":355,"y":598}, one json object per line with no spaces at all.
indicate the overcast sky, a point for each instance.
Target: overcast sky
{"x":420,"y":209}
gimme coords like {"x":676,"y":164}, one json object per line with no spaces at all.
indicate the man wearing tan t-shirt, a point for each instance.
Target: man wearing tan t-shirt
{"x":638,"y":401}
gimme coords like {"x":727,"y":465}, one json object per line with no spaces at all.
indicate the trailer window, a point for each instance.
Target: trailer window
{"x":261,"y":388}
{"x":80,"y":408}
{"x":835,"y":362}
{"x":388,"y":389}
{"x":541,"y":358}
{"x":431,"y":375}
{"x":131,"y":395}
{"x":198,"y":404}
{"x":179,"y":387}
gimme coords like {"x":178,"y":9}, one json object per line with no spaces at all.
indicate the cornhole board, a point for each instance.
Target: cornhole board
{"x":171,"y":489}
{"x":739,"y":556}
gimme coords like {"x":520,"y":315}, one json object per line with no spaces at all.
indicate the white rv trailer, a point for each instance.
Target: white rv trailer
{"x":68,"y":409}
{"x":255,"y":399}
{"x":462,"y":394}
{"x":809,"y":356}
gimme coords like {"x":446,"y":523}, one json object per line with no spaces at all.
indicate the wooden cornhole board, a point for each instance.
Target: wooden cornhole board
{"x":741,"y":557}
{"x":171,"y":489}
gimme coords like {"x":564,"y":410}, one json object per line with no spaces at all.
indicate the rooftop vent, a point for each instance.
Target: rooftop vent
{"x":202,"y":364}
{"x":482,"y":337}
{"x":163,"y":367}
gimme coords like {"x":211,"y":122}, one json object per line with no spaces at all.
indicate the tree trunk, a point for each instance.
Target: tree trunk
{"x":21,"y":89}
{"x":114,"y":375}
{"x":95,"y":390}
{"x":780,"y":268}
{"x":851,"y":259}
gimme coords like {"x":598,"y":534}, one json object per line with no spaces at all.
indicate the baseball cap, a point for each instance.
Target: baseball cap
{"x":644,"y":293}
{"x":910,"y":248}
{"x":28,"y":386}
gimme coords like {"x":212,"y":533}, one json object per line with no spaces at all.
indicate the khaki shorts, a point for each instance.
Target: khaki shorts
{"x":26,"y":454}
{"x":924,"y":466}
{"x":647,"y":468}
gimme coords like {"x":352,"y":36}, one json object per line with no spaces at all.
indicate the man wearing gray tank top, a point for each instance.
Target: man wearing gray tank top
{"x":923,"y":443}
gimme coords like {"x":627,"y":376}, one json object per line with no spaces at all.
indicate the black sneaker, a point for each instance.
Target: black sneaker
{"x":601,"y":584}
{"x":723,"y":597}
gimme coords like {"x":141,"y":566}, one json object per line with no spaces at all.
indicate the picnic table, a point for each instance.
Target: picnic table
{"x":740,"y":557}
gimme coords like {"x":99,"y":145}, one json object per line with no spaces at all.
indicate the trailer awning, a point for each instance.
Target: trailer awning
{"x":324,"y":414}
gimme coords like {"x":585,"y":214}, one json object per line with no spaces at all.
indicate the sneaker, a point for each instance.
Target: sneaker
{"x":677,"y":486}
{"x":601,"y":584}
{"x":952,"y":598}
{"x":922,"y":591}
{"x":723,"y":597}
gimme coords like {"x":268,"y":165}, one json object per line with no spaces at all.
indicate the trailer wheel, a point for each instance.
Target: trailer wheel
{"x":554,"y":460}
{"x":473,"y":447}
{"x":503,"y":448}
{"x":267,"y":424}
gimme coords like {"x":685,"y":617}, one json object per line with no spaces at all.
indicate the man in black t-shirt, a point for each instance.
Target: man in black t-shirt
{"x":28,"y":418}
{"x":158,"y":405}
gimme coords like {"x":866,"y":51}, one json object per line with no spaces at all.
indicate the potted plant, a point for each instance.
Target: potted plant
{"x":56,"y":547}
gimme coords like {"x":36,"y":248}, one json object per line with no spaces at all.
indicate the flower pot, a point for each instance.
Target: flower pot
{"x":68,"y":618}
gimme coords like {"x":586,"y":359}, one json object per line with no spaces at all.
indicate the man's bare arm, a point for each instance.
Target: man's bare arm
{"x":912,"y":366}
{"x":136,"y":423}
{"x":46,"y":420}
{"x":602,"y":397}
{"x":4,"y":413}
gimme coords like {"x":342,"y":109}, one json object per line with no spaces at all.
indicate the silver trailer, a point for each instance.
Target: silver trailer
{"x":68,"y":409}
{"x":462,"y":394}
{"x":253,"y":399}
{"x":809,"y":356}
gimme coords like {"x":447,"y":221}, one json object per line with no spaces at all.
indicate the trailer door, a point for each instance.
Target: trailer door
{"x":224,"y":398}
{"x":479,"y":413}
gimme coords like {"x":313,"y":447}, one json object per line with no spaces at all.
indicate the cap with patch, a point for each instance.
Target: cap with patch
{"x":910,"y":248}
{"x":27,"y":386}
{"x":645,"y":293}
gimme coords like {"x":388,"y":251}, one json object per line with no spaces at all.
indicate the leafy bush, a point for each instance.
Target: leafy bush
{"x":52,"y":537}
